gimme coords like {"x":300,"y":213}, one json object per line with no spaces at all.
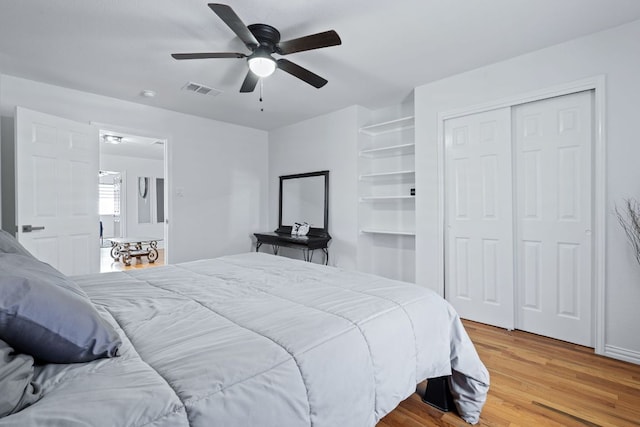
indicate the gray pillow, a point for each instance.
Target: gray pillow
{"x":46,"y":315}
{"x":9,"y":245}
{"x":16,"y":381}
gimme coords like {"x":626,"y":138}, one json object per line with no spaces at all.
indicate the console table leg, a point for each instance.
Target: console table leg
{"x":126,"y":254}
{"x":152,"y":256}
{"x":115,"y":251}
{"x":258,"y":244}
{"x":326,"y":256}
{"x":276,"y":248}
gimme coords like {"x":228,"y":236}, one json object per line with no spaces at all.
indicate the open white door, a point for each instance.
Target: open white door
{"x":57,"y":191}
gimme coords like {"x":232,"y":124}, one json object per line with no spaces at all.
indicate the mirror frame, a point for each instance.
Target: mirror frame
{"x":313,"y":231}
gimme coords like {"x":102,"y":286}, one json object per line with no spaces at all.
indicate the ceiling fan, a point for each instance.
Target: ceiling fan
{"x":264,"y":40}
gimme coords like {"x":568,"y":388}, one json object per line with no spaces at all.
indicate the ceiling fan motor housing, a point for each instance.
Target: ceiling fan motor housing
{"x":266,"y":35}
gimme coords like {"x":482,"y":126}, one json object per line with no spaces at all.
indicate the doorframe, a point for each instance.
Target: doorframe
{"x":123,"y":203}
{"x":597,"y":84}
{"x":168,"y":206}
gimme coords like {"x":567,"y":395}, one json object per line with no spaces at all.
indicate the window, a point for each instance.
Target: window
{"x":109,"y":199}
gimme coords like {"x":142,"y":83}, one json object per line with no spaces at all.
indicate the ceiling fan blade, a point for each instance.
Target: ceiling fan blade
{"x":313,"y":41}
{"x":301,"y":73}
{"x":235,"y":23}
{"x":249,"y":83}
{"x":208,"y":55}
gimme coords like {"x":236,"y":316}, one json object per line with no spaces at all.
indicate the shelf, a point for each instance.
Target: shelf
{"x":381,"y":231}
{"x":390,"y":150}
{"x":392,"y":173}
{"x":374,"y":198}
{"x":387,"y":127}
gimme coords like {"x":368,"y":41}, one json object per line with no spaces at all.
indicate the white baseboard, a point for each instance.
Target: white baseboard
{"x":622,"y":354}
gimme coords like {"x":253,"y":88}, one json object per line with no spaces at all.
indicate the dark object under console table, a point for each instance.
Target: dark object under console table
{"x":308,"y":244}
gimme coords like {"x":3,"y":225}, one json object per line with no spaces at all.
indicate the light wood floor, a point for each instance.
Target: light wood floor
{"x":107,"y":264}
{"x":537,"y":381}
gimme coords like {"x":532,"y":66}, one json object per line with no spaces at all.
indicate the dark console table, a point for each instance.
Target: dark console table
{"x":308,"y":244}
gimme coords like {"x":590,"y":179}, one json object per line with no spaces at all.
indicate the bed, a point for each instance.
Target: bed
{"x":256,"y":340}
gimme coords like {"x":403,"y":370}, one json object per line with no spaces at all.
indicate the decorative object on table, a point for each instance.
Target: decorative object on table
{"x":303,"y":229}
{"x":299,"y":229}
{"x":294,"y":228}
{"x":629,"y":218}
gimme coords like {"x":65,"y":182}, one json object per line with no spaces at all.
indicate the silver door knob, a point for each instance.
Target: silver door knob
{"x":29,"y":228}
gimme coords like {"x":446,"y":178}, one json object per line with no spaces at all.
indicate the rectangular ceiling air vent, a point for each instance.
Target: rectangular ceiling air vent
{"x":201,"y":89}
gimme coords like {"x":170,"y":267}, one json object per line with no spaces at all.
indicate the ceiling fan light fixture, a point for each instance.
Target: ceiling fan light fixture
{"x":112,"y":139}
{"x":262,"y":66}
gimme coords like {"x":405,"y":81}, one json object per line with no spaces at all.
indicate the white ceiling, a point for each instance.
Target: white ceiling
{"x":118,"y":48}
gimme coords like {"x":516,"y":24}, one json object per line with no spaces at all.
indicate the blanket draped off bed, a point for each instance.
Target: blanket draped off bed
{"x":259,"y":340}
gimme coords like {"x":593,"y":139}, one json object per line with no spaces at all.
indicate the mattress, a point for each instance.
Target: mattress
{"x":258,"y":340}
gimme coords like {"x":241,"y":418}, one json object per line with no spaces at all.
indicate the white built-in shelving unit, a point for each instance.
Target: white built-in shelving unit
{"x":393,"y":149}
{"x":391,"y":232}
{"x":386,"y":174}
{"x":390,"y":126}
{"x":386,"y":177}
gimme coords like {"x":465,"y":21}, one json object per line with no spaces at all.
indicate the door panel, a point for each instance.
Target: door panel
{"x":57,"y":188}
{"x":553,"y":192}
{"x":479,"y":255}
{"x":546,"y":200}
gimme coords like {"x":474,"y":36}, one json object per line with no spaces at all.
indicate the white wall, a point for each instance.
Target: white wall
{"x":0,"y":151}
{"x":132,"y":168}
{"x":7,"y":171}
{"x":613,"y":53}
{"x":219,"y":169}
{"x":327,"y":142}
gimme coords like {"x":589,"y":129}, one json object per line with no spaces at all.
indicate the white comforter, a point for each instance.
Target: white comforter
{"x":259,"y":340}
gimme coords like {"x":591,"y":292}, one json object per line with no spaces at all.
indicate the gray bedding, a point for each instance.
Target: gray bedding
{"x":258,"y":340}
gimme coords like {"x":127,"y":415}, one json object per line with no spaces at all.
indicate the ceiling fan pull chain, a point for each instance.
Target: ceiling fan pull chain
{"x":261,"y":83}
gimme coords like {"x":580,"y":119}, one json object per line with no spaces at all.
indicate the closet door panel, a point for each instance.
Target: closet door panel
{"x":553,"y":143}
{"x":479,"y":217}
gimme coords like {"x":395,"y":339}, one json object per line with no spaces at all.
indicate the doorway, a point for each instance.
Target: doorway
{"x":518,"y":201}
{"x":109,"y":205}
{"x":132,"y":188}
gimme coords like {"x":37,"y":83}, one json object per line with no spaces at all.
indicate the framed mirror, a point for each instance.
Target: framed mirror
{"x":304,"y":197}
{"x":144,"y":205}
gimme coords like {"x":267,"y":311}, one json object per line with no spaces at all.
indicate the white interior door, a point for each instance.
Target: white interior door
{"x":554,"y":189}
{"x":57,"y":191}
{"x":479,"y":217}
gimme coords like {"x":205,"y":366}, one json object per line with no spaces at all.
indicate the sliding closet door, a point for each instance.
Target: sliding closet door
{"x":479,"y":217}
{"x":554,"y":189}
